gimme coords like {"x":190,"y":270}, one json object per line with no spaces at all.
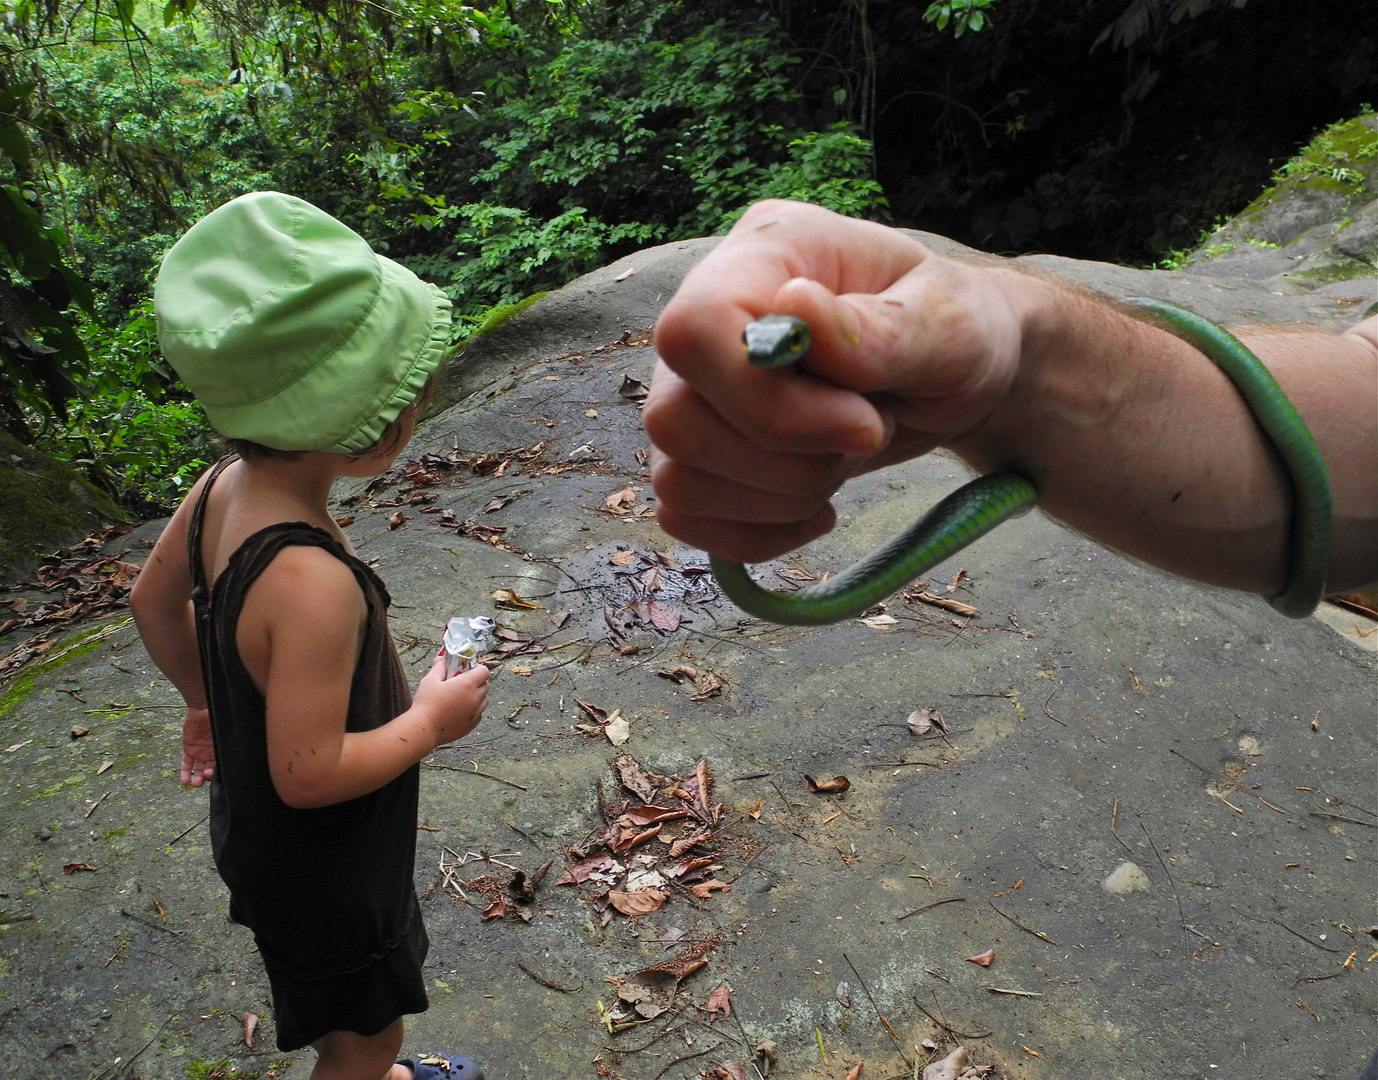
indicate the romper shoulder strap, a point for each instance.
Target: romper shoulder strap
{"x":198,"y":514}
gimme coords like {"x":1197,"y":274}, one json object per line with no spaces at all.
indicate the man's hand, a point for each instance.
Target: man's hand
{"x":198,"y":751}
{"x":910,"y":350}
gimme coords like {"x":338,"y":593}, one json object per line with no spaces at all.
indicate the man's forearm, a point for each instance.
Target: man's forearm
{"x":1136,"y":439}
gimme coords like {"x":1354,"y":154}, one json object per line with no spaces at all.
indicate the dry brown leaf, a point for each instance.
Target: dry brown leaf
{"x":755,"y":812}
{"x":79,"y":732}
{"x":648,"y":1001}
{"x":949,"y":1068}
{"x":73,"y":867}
{"x":679,"y":968}
{"x":595,"y":713}
{"x":496,"y":910}
{"x":709,"y":686}
{"x":719,"y":1003}
{"x":623,"y":558}
{"x":508,"y":598}
{"x":921,"y":721}
{"x":954,"y":606}
{"x":767,"y":1051}
{"x":619,"y":499}
{"x":856,"y":1071}
{"x":680,"y":674}
{"x":586,"y":868}
{"x":397,"y":520}
{"x":633,"y":904}
{"x":688,"y":866}
{"x":706,"y":889}
{"x":701,"y":775}
{"x":836,"y":784}
{"x":635,"y":779}
{"x":633,"y":390}
{"x":984,"y":959}
{"x":679,"y":847}
{"x":559,"y":618}
{"x":649,"y":815}
{"x":729,"y":1070}
{"x":665,"y":617}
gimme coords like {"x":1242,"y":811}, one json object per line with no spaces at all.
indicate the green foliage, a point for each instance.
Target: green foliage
{"x":496,"y":152}
{"x":134,"y":430}
{"x":963,"y":15}
{"x":174,"y":95}
{"x":512,"y":253}
{"x":1337,"y":153}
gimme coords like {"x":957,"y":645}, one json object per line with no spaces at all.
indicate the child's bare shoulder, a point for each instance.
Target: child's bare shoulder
{"x":307,"y":585}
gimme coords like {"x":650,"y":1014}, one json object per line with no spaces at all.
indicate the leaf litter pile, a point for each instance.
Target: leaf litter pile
{"x":664,"y":836}
{"x":91,"y":584}
{"x":653,"y":592}
{"x":663,"y":843}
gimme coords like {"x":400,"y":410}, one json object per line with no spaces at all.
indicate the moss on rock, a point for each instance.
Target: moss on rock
{"x":46,"y":504}
{"x":1317,"y":214}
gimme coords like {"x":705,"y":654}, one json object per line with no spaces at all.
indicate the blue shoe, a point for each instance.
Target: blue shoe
{"x":443,"y":1067}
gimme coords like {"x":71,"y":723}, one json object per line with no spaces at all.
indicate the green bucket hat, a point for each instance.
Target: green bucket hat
{"x":290,"y":330}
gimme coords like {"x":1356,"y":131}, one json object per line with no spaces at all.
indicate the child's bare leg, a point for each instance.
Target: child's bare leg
{"x":346,"y":1055}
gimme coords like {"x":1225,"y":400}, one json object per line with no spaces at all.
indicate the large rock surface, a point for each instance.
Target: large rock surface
{"x":1099,"y":714}
{"x":1316,"y":226}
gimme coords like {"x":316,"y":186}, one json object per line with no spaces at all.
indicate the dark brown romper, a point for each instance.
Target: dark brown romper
{"x":328,"y":892}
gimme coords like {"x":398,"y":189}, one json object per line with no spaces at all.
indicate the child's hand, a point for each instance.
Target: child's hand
{"x":198,"y":751}
{"x":454,"y":705}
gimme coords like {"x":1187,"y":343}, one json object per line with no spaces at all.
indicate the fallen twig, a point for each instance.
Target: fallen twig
{"x":1297,"y":933}
{"x":1036,"y":933}
{"x":1114,"y":813}
{"x":1177,"y":894}
{"x":1341,"y":817}
{"x":1232,"y":782}
{"x":898,"y":1045}
{"x":547,"y":983}
{"x":686,"y":1057}
{"x":474,"y":772}
{"x":948,"y":1027}
{"x":153,"y":925}
{"x":1317,"y":978}
{"x":915,"y":911}
{"x":1049,"y":715}
{"x":184,"y":832}
{"x":101,"y":800}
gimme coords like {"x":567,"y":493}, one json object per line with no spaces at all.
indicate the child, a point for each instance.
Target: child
{"x":309,"y":352}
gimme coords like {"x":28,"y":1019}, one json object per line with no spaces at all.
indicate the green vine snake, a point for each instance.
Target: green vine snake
{"x":974,"y":510}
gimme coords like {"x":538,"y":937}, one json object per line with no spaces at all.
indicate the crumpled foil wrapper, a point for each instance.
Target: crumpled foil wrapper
{"x":465,"y":640}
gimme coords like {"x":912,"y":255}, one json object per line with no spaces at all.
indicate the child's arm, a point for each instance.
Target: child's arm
{"x":161,"y":602}
{"x":300,"y":627}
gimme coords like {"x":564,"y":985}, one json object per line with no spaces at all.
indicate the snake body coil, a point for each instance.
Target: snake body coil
{"x":977,"y":508}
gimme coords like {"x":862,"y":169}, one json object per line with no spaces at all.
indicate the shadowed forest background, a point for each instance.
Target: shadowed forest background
{"x":502,"y":150}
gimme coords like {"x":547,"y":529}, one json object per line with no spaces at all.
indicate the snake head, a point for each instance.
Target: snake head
{"x":775,"y":341}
